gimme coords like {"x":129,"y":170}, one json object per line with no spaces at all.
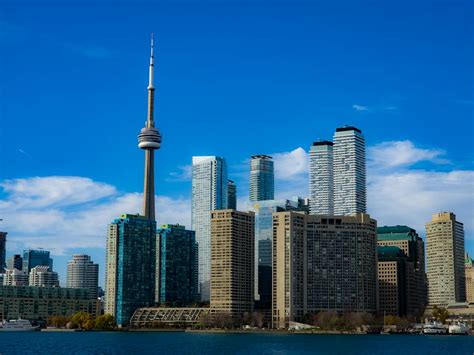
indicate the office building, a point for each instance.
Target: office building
{"x":263,"y":241}
{"x":15,"y":262}
{"x":231,"y":195}
{"x":349,"y":171}
{"x":15,"y":277}
{"x":445,"y":260}
{"x":232,"y":262}
{"x":32,"y":258}
{"x":41,"y":276}
{"x":41,"y":303}
{"x":3,"y":242}
{"x":321,"y":178}
{"x":177,"y":260}
{"x":322,"y":263}
{"x":209,"y":192}
{"x":262,"y":180}
{"x":469,"y":272}
{"x":130,"y":266}
{"x":83,"y":273}
{"x":392,"y":281}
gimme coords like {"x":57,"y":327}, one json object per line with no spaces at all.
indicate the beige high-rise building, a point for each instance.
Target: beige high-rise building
{"x":232,"y":262}
{"x":322,"y":263}
{"x":469,"y":271}
{"x":445,"y":260}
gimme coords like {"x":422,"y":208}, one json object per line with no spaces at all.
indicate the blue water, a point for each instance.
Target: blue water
{"x":205,"y":343}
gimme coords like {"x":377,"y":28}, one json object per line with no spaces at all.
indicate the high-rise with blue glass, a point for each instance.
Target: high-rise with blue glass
{"x":33,"y":258}
{"x":209,"y":192}
{"x":131,"y":239}
{"x":177,"y":261}
{"x":262,"y":184}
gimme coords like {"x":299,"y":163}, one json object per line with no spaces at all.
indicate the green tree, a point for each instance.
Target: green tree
{"x":83,"y":320}
{"x":440,"y":314}
{"x":105,"y":322}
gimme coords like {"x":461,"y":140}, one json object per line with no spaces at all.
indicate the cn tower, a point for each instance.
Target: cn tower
{"x":149,"y":139}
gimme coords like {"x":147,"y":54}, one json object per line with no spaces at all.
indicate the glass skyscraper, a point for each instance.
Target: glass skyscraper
{"x":349,"y":171}
{"x":130,"y":266}
{"x":209,"y":192}
{"x":231,"y":195}
{"x":32,"y":258}
{"x":321,"y":178}
{"x":262,"y":184}
{"x":177,"y":257}
{"x":3,"y":242}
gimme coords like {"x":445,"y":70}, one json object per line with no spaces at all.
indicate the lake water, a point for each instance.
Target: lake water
{"x":206,"y":343}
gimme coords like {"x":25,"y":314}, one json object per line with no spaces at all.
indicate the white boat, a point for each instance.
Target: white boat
{"x":458,"y":328}
{"x":17,"y":325}
{"x":434,"y":328}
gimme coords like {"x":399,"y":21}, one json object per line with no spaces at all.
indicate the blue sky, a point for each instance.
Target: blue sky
{"x":234,"y":78}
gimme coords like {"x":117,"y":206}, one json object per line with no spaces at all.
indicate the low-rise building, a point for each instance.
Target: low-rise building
{"x":41,"y":276}
{"x":15,"y":277}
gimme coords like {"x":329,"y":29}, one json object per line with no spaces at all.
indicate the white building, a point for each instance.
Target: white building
{"x":209,"y":192}
{"x":40,"y":276}
{"x":321,"y":178}
{"x":15,"y":277}
{"x":349,"y":171}
{"x":83,"y":273}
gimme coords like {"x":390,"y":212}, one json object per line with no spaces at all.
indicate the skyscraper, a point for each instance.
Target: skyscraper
{"x":209,"y":192}
{"x":349,"y":171}
{"x":130,"y":266}
{"x":3,"y":242}
{"x":321,"y":178}
{"x":231,"y":195}
{"x":83,"y":273}
{"x":41,"y":276}
{"x":177,"y":260}
{"x":445,"y":260}
{"x":232,"y":262}
{"x":469,"y":271}
{"x":131,"y":240}
{"x":15,"y":262}
{"x":32,"y":258}
{"x":262,"y":185}
{"x":149,"y":139}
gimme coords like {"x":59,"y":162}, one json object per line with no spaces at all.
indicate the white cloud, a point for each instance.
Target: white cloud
{"x":396,"y":154}
{"x":291,"y":165}
{"x":64,"y":213}
{"x":360,"y":107}
{"x":184,"y":173}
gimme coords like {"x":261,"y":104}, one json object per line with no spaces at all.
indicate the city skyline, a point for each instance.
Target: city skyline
{"x":416,"y":163}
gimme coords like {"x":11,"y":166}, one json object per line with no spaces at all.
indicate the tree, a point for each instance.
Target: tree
{"x":257,"y":319}
{"x":105,"y":322}
{"x":58,"y":321}
{"x":83,"y":320}
{"x":440,"y":314}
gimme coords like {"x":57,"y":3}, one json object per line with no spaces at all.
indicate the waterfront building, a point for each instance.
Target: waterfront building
{"x":209,"y":192}
{"x":39,"y":257}
{"x":445,"y":260}
{"x":263,"y":241}
{"x":412,"y":245}
{"x":83,"y":273}
{"x":231,"y":195}
{"x":232,"y":262}
{"x":177,"y":265}
{"x":3,"y":242}
{"x":262,"y":180}
{"x":393,"y":283}
{"x":130,"y":266}
{"x":321,"y":178}
{"x":41,"y":276}
{"x":349,"y":171}
{"x":15,"y":262}
{"x":322,"y":263}
{"x":15,"y":277}
{"x":41,"y":303}
{"x":469,"y":271}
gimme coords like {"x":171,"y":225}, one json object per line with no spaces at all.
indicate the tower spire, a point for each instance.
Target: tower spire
{"x":151,"y":89}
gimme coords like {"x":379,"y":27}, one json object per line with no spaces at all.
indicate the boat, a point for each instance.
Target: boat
{"x":458,"y":328}
{"x":434,"y":328}
{"x":17,"y":325}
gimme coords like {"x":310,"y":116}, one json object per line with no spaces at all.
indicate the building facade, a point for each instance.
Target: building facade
{"x":83,"y":273}
{"x":445,"y":260}
{"x":262,"y":180}
{"x":15,"y":262}
{"x":3,"y":246}
{"x":40,"y":303}
{"x":41,"y":276}
{"x":130,"y":266}
{"x":15,"y":277}
{"x":32,"y":258}
{"x":322,"y":263}
{"x":177,"y":258}
{"x":321,"y":178}
{"x":231,"y":195}
{"x":469,"y":271}
{"x":349,"y":171}
{"x":209,"y":192}
{"x":412,"y":246}
{"x":232,"y":262}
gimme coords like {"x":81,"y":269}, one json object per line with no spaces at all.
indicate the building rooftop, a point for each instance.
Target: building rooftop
{"x":396,"y":233}
{"x":261,"y":156}
{"x":389,"y":252}
{"x":348,"y":128}
{"x":318,"y":143}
